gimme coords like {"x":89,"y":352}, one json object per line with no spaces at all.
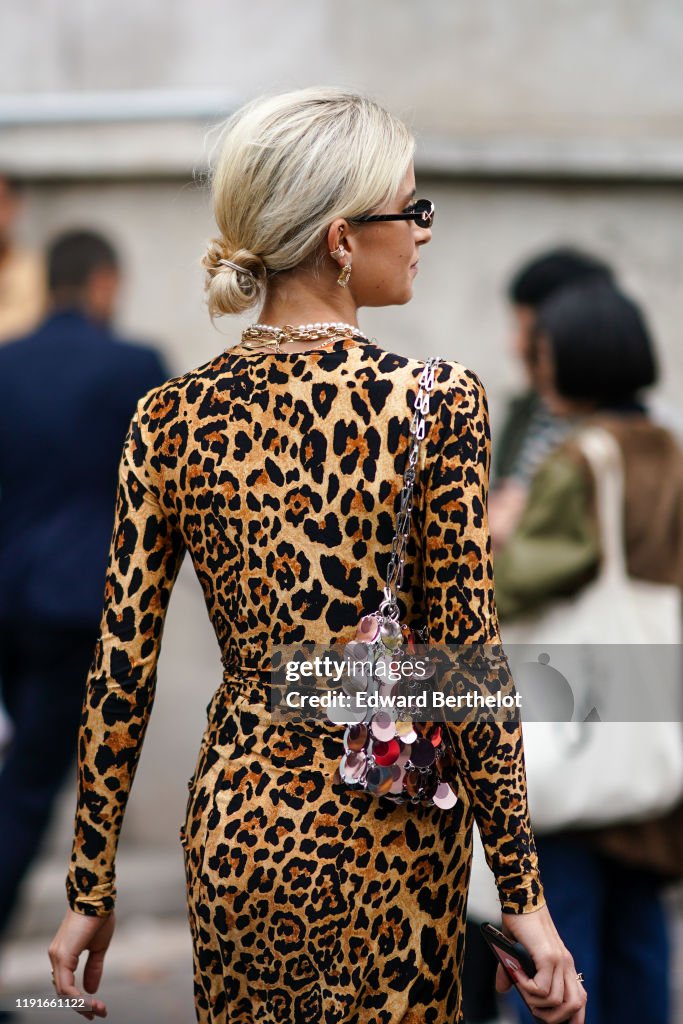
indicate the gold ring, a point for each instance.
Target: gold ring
{"x":579,"y":977}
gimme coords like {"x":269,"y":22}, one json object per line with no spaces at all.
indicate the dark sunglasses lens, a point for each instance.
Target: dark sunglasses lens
{"x":424,"y":210}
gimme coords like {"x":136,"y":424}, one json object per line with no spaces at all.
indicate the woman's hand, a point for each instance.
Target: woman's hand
{"x":76,"y":933}
{"x":554,"y":994}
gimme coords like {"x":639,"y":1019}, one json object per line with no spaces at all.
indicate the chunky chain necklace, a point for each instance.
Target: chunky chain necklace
{"x":266,"y":336}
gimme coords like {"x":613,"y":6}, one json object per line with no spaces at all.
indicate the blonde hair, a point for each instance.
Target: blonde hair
{"x":288,"y":166}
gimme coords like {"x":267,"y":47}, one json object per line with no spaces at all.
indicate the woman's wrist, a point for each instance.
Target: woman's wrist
{"x":90,"y":904}
{"x":525,"y":911}
{"x":523,"y":898}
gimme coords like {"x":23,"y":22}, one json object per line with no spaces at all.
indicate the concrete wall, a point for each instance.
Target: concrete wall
{"x":537,"y":123}
{"x":572,"y":66}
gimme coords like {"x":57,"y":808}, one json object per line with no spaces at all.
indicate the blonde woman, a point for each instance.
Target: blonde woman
{"x":274,"y":466}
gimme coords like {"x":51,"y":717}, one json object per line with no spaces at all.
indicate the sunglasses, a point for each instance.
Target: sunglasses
{"x":421,"y":211}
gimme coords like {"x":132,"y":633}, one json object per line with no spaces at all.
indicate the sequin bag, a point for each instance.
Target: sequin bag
{"x":385,"y":751}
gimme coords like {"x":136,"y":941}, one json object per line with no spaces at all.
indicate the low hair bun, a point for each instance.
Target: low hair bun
{"x":229,"y":289}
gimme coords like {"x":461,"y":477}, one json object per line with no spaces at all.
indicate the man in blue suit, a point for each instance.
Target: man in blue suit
{"x":67,"y":394}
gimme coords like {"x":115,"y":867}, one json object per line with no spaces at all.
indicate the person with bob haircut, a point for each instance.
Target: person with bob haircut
{"x":537,"y":280}
{"x":275,"y":466}
{"x":594,"y":358}
{"x":529,"y":430}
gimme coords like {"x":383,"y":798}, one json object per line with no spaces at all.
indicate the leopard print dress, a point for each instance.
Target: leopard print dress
{"x":280,"y":474}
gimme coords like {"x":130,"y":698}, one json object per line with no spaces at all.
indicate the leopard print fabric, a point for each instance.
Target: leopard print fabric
{"x":280,"y":473}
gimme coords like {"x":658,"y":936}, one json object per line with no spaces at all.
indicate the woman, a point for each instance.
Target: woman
{"x":594,"y":358}
{"x":275,"y":467}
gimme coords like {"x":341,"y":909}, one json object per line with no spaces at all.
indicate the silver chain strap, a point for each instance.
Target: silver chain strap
{"x":394,"y":581}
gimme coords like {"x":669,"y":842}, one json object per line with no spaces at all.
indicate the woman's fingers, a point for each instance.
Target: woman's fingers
{"x":571,"y":1005}
{"x":536,"y":998}
{"x":573,"y":985}
{"x":77,"y":933}
{"x":63,"y":972}
{"x":554,"y":995}
{"x":547,"y":993}
{"x":64,"y":967}
{"x":65,"y":986}
{"x":579,"y":1017}
{"x":544,"y":984}
{"x":98,"y":1009}
{"x":92,"y":975}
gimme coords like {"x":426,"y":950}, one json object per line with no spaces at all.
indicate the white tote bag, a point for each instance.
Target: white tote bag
{"x":617,"y":643}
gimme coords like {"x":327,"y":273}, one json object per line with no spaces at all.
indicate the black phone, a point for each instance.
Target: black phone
{"x":510,"y":954}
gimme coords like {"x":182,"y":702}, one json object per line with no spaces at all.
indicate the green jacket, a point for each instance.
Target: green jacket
{"x":554,"y":549}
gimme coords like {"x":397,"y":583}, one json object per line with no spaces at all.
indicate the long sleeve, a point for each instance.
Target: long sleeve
{"x":554,"y":549}
{"x":144,"y":559}
{"x":458,"y":571}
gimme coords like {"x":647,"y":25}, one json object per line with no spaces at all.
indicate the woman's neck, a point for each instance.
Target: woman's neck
{"x":303,"y":299}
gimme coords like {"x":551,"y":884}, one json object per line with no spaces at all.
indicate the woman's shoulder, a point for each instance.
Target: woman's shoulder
{"x":459,"y":395}
{"x":453,"y":375}
{"x":168,"y":397}
{"x":454,"y":384}
{"x":457,"y":405}
{"x":450,"y":373}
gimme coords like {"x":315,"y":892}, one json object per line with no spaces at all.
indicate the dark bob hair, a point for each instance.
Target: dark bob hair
{"x":547,"y":273}
{"x":601,"y":344}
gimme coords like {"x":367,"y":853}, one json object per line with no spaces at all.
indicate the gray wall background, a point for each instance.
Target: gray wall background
{"x":537,"y":123}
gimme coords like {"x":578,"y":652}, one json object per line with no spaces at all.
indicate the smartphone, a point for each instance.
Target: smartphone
{"x":510,"y":954}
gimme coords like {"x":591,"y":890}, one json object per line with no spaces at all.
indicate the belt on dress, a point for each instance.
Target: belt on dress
{"x":254,"y":685}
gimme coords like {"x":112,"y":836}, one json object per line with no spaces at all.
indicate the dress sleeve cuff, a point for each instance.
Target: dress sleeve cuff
{"x":526,"y":897}
{"x":97,"y":902}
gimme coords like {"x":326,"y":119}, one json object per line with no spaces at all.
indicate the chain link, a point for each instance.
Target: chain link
{"x":394,"y":579}
{"x":265,"y":336}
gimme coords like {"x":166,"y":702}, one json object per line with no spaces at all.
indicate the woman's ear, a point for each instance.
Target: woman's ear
{"x":338,"y":238}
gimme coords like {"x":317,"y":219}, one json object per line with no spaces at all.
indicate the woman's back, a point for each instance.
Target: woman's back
{"x":281,"y":473}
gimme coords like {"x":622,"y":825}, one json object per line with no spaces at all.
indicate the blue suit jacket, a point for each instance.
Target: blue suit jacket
{"x":67,"y":395}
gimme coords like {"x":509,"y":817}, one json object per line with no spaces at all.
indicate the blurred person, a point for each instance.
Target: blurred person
{"x":308,"y":899}
{"x":530,"y":430}
{"x":528,"y":433}
{"x":67,"y":393}
{"x":593,"y":358}
{"x":22,"y":274}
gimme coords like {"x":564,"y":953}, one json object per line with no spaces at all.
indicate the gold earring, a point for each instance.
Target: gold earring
{"x":344,"y":275}
{"x":345,"y":272}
